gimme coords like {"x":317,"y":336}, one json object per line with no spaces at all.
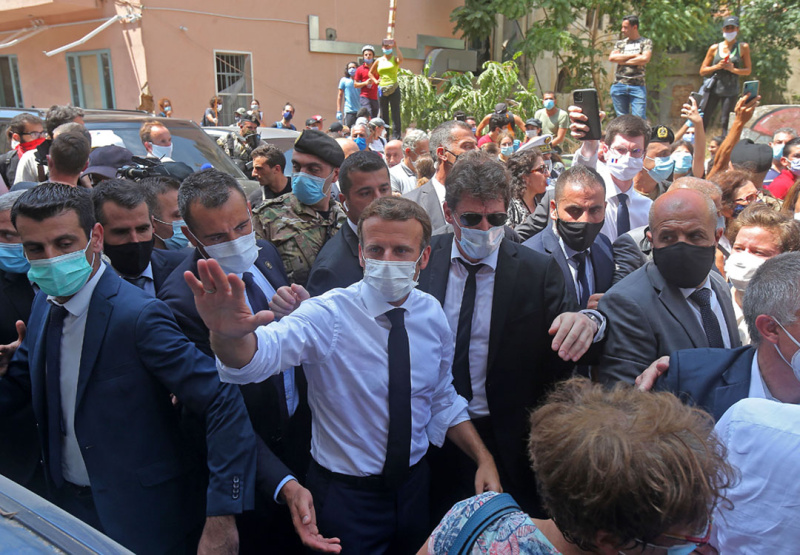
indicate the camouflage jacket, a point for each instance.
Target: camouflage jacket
{"x":238,"y":147}
{"x":297,"y":231}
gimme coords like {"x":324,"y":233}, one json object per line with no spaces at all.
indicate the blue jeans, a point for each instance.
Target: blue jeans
{"x":629,"y":99}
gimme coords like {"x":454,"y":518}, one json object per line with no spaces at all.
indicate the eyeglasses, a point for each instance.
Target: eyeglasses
{"x":622,"y":151}
{"x":541,"y":169}
{"x":752,"y":197}
{"x":689,"y":541}
{"x":471,"y":219}
{"x":35,"y":134}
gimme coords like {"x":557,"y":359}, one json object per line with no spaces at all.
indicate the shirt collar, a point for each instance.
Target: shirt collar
{"x":439,"y":188}
{"x":353,"y":226}
{"x":374,"y":305}
{"x":686,"y":291}
{"x":79,"y":303}
{"x":490,"y":260}
{"x":758,"y":388}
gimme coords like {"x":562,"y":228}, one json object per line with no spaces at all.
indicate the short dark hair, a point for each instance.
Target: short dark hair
{"x":211,"y":188}
{"x":347,"y":66}
{"x":497,"y":121}
{"x":630,"y":126}
{"x":51,"y":199}
{"x":674,"y":146}
{"x":787,"y":148}
{"x":158,"y":186}
{"x":70,"y":152}
{"x":396,"y":209}
{"x":361,"y":161}
{"x":123,"y":192}
{"x":479,"y":175}
{"x":59,"y":115}
{"x":272,"y":153}
{"x":633,"y":20}
{"x":19,"y":122}
{"x":578,"y":173}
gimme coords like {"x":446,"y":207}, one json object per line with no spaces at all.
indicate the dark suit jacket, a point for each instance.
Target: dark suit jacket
{"x":133,"y":356}
{"x":529,"y":293}
{"x":164,"y":262}
{"x":259,"y":398}
{"x":632,"y":250}
{"x":649,"y":318}
{"x":18,"y":431}
{"x":426,"y":197}
{"x":713,"y":379}
{"x":601,"y":255}
{"x":336,"y":264}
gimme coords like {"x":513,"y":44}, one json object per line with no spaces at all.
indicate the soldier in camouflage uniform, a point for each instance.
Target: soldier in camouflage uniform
{"x":301,"y":222}
{"x":239,"y":146}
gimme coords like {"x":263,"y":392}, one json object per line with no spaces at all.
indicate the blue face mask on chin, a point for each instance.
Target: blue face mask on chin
{"x":12,"y":258}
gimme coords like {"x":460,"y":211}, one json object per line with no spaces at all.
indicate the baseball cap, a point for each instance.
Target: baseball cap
{"x":500,"y":108}
{"x":336,"y":126}
{"x":730,"y":20}
{"x":377,"y":122}
{"x":756,"y":158}
{"x":311,"y":121}
{"x":533,"y":122}
{"x":106,"y":160}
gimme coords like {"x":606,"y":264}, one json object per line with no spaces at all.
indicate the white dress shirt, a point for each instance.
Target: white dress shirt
{"x":638,"y":204}
{"x":72,"y":335}
{"x":758,"y":387}
{"x":149,"y":285}
{"x":404,"y":179}
{"x":341,"y":339}
{"x":440,"y":191}
{"x":715,"y":307}
{"x":763,"y":442}
{"x":481,"y":320}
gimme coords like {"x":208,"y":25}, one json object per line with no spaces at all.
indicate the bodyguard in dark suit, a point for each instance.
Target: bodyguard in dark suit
{"x":577,"y":212}
{"x":363,"y":177}
{"x":218,"y":224}
{"x":123,"y":209}
{"x":501,"y":301}
{"x":674,"y":301}
{"x":448,"y":141}
{"x":99,"y":362}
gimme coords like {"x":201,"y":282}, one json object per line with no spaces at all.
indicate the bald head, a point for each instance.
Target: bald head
{"x":349,"y":146}
{"x":683,"y":215}
{"x":393,"y":152}
{"x":709,"y":189}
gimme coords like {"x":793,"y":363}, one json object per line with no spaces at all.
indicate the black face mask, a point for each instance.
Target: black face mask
{"x":683,"y":264}
{"x":578,"y":236}
{"x":130,"y":259}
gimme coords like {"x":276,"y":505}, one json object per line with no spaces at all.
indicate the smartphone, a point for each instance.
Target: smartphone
{"x":750,"y":89}
{"x":586,"y":99}
{"x":698,"y":98}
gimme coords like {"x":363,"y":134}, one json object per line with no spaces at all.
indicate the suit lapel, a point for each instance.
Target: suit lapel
{"x":504,"y":279}
{"x":100,"y":308}
{"x":439,"y":269}
{"x":350,"y":239}
{"x":725,"y":303}
{"x":677,"y":305}
{"x":36,"y":354}
{"x":269,"y":270}
{"x":737,"y":384}
{"x":553,"y":248}
{"x":603,"y":264}
{"x":430,"y":201}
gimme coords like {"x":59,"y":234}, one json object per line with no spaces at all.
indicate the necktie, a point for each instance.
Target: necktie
{"x":139,"y":282}
{"x":623,"y":216}
{"x":461,"y":376}
{"x":259,"y":302}
{"x":398,"y":446}
{"x":702,"y":297}
{"x":55,"y":429}
{"x":583,"y":280}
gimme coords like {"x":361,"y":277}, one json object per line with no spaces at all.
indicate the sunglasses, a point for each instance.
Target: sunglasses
{"x":541,"y":169}
{"x":471,"y":219}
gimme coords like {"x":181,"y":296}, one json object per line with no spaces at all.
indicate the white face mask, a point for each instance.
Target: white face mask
{"x":161,"y":151}
{"x":623,"y":168}
{"x":530,"y":133}
{"x":794,"y":167}
{"x":392,"y":279}
{"x":235,"y":256}
{"x":740,"y":268}
{"x":795,"y":363}
{"x":478,"y":244}
{"x":797,"y":216}
{"x":219,"y":107}
{"x":14,"y":144}
{"x":730,"y":36}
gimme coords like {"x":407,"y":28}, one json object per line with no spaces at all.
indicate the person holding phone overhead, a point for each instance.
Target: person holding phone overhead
{"x":385,"y":70}
{"x":724,"y":62}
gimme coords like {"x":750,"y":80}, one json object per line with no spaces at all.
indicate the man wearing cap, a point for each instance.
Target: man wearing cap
{"x":315,"y":122}
{"x":533,"y":128}
{"x":157,"y":140}
{"x":631,"y":55}
{"x":104,"y":162}
{"x":239,"y":146}
{"x":366,"y":83}
{"x":336,"y":130}
{"x":404,"y":174}
{"x":653,"y":181}
{"x":555,"y":121}
{"x":301,"y":222}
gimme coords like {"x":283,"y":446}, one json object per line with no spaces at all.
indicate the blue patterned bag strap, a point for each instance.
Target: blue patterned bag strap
{"x":496,"y":507}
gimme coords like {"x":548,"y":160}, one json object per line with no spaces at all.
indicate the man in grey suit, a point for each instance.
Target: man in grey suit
{"x":674,"y":301}
{"x":448,"y":141}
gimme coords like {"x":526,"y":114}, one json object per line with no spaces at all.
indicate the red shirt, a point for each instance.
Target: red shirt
{"x":362,"y":74}
{"x":781,"y":184}
{"x":483,"y":140}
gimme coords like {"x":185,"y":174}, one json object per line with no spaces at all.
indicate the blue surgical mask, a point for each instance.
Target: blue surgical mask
{"x":309,"y":189}
{"x":507,"y":150}
{"x":662,"y":169}
{"x":12,"y":258}
{"x":683,"y":161}
{"x":62,"y":276}
{"x":794,"y":167}
{"x":478,"y":244}
{"x":777,"y":151}
{"x":388,"y":51}
{"x":361,"y":142}
{"x":549,"y":104}
{"x":351,"y":71}
{"x":178,"y":240}
{"x":287,"y":116}
{"x":689,"y":138}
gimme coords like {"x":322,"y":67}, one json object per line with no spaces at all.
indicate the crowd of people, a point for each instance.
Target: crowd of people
{"x":436,"y":341}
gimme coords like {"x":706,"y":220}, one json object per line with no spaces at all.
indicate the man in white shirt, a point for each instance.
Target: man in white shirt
{"x":448,"y":141}
{"x":377,"y":357}
{"x":157,"y":140}
{"x":404,"y":174}
{"x":627,"y":138}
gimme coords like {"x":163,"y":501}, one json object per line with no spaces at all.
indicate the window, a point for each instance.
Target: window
{"x":234,"y":72}
{"x":91,"y":79}
{"x":10,"y":88}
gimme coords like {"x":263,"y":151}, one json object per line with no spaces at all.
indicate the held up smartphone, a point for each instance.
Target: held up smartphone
{"x":586,"y":99}
{"x":697,"y":97}
{"x":750,"y":89}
